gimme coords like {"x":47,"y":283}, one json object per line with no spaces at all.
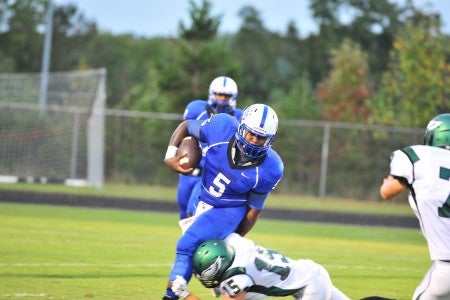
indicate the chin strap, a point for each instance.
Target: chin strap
{"x":240,"y":159}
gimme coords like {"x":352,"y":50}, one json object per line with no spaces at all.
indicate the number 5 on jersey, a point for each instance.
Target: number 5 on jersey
{"x":219,"y":185}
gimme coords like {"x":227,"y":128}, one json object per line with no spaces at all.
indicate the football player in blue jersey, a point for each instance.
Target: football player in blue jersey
{"x":222,"y":98}
{"x":239,"y":172}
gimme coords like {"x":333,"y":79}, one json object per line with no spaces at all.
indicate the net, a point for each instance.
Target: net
{"x":61,"y":141}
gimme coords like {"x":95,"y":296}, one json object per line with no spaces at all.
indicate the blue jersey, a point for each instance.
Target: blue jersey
{"x":224,"y":183}
{"x":200,"y":110}
{"x":228,"y":187}
{"x":195,"y":110}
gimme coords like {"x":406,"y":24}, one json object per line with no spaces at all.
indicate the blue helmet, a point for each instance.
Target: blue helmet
{"x":260,"y":120}
{"x":223,"y":85}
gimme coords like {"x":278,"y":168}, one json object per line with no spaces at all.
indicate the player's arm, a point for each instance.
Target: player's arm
{"x":391,"y":187}
{"x":249,"y":220}
{"x":255,"y":205}
{"x":172,"y":158}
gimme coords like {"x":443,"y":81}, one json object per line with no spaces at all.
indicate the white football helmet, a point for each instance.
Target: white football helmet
{"x":261,"y":120}
{"x":223,"y":85}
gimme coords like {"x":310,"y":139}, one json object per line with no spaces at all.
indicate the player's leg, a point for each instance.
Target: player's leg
{"x":319,"y":286}
{"x":185,"y":186}
{"x":436,"y":283}
{"x":336,"y":294}
{"x":194,"y":198}
{"x":216,"y":223}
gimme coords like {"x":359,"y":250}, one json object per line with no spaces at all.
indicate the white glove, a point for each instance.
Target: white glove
{"x":179,"y":287}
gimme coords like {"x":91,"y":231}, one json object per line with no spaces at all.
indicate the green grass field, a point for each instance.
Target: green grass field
{"x":398,"y":207}
{"x":49,"y":252}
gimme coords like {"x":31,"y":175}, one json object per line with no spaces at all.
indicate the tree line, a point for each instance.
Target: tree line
{"x":389,"y":65}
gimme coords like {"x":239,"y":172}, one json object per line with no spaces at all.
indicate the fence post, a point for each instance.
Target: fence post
{"x":324,"y":160}
{"x":75,"y":141}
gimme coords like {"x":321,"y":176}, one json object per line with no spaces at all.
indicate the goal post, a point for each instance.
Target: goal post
{"x":60,"y":142}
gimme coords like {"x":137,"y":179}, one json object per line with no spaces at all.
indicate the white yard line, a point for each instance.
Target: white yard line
{"x":24,"y":295}
{"x":83,"y":265}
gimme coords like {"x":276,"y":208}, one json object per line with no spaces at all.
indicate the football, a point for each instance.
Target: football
{"x":194,"y":153}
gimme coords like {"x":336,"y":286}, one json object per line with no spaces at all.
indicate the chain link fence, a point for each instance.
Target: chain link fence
{"x":73,"y":136}
{"x":324,"y":159}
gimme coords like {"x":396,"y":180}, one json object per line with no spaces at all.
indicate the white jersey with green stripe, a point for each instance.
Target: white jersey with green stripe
{"x":267,"y":272}
{"x":426,"y":171}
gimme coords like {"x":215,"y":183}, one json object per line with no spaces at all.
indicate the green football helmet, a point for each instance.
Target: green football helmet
{"x":210,"y":260}
{"x":438,"y":132}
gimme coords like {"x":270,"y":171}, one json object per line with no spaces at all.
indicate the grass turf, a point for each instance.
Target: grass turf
{"x":74,"y":253}
{"x":397,"y":207}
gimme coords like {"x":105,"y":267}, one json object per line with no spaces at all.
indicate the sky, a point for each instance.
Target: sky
{"x":151,"y":18}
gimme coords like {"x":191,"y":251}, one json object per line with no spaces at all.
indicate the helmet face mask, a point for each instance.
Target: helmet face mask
{"x":438,"y":132}
{"x":210,"y":261}
{"x":223,"y":86}
{"x":260,"y":120}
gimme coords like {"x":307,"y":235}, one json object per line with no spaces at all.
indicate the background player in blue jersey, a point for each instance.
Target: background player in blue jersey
{"x":239,"y":172}
{"x":222,"y":98}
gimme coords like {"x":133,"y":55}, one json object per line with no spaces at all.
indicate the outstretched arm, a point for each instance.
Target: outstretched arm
{"x":391,"y":187}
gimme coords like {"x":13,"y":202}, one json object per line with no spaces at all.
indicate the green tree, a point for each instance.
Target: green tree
{"x":22,"y":25}
{"x":299,"y":102}
{"x":6,"y":61}
{"x":203,"y":26}
{"x":200,"y":56}
{"x":373,"y":24}
{"x":20,"y":42}
{"x":180,"y":70}
{"x":417,"y":85}
{"x":256,"y":48}
{"x":343,"y":94}
{"x":127,"y":60}
{"x":72,"y":35}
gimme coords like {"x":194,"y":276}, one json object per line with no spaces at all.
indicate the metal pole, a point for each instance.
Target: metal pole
{"x":324,"y":160}
{"x":46,"y":58}
{"x":75,"y":138}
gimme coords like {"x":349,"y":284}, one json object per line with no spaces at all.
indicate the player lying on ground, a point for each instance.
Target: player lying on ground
{"x":241,"y":269}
